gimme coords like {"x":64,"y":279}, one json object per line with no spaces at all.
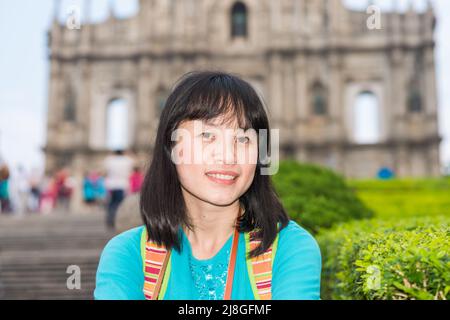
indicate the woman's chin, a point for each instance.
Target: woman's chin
{"x":221,"y":200}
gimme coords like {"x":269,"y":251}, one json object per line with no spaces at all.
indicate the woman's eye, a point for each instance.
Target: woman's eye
{"x":243,"y":139}
{"x":207,"y":135}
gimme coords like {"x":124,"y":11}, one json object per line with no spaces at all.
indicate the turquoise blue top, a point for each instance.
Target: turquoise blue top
{"x":296,"y":269}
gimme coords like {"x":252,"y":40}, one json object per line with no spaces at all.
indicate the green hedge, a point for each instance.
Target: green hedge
{"x":402,"y":184}
{"x":389,"y":259}
{"x":405,"y":197}
{"x":317,"y":197}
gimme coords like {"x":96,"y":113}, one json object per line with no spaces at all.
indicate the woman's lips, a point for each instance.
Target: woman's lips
{"x":218,"y":177}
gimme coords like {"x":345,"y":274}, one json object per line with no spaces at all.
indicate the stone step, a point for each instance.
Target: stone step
{"x":35,"y":252}
{"x":48,"y":293}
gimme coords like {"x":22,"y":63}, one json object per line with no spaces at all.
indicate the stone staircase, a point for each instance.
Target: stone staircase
{"x":36,"y":250}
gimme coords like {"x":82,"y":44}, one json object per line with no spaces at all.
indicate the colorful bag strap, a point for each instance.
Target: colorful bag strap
{"x":155,"y":259}
{"x":260,"y":268}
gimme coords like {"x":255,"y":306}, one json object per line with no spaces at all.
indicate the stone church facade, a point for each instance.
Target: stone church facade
{"x":309,"y":59}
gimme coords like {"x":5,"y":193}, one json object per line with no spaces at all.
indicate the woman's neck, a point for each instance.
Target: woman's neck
{"x":213,"y":226}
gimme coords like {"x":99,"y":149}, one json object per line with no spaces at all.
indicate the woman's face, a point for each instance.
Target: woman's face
{"x":215,"y":163}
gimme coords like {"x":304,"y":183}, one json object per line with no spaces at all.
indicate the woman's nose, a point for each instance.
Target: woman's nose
{"x":225,"y":150}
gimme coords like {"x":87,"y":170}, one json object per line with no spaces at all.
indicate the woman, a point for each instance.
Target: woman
{"x":202,"y":195}
{"x":5,"y":205}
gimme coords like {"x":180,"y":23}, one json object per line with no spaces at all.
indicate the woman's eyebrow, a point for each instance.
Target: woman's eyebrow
{"x":210,"y":122}
{"x":216,"y":124}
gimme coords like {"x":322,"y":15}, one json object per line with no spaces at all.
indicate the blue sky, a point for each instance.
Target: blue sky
{"x":24,"y":70}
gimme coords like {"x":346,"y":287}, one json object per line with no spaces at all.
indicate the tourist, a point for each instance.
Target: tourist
{"x":36,"y":184}
{"x":94,"y":190}
{"x":89,"y":188}
{"x":136,"y":179}
{"x":47,"y":199}
{"x":118,"y":168}
{"x":19,"y":190}
{"x":64,"y":188}
{"x":5,"y":204}
{"x":201,"y":212}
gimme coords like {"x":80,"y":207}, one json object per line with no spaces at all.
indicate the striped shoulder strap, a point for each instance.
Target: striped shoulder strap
{"x":260,"y":268}
{"x":155,"y":261}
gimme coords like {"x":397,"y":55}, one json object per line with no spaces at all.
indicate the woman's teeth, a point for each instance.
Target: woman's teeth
{"x":221,"y":176}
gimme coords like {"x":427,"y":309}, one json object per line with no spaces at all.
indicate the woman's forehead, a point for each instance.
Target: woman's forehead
{"x":218,"y":122}
{"x":221,"y":121}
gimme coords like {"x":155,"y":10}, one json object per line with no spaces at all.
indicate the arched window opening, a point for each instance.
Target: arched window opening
{"x":414,"y":101}
{"x":161,"y":98}
{"x":319,"y":99}
{"x":117,"y":133}
{"x":239,"y":17}
{"x":366,"y":120}
{"x":414,"y":97}
{"x":69,"y":113}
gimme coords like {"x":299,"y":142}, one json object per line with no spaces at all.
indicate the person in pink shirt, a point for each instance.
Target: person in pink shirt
{"x":136,"y":179}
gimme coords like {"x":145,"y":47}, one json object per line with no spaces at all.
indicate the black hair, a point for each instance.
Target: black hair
{"x":118,"y":152}
{"x":205,"y":95}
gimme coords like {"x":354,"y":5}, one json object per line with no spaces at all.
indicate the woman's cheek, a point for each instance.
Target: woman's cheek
{"x":187,"y":152}
{"x":251,"y":173}
{"x":253,"y":155}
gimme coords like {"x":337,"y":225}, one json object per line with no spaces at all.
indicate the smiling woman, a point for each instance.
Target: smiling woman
{"x":214,"y":226}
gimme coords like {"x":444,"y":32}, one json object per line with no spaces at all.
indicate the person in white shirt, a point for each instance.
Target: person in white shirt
{"x":19,"y":190}
{"x":118,"y":170}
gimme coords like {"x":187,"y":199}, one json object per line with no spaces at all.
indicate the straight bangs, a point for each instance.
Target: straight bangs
{"x":215,"y":95}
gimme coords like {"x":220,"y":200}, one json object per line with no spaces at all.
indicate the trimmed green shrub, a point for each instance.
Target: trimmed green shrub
{"x":316,"y":197}
{"x":405,"y":197}
{"x":390,"y":259}
{"x":402,"y":184}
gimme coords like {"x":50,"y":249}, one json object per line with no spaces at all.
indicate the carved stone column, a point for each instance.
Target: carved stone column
{"x":145,"y":104}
